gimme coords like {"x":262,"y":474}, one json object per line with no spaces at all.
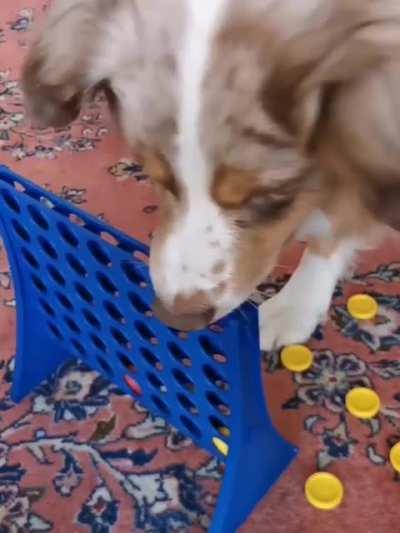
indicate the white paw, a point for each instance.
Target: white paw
{"x":285,"y":321}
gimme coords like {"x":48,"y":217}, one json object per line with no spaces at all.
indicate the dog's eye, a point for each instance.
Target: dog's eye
{"x":262,"y":208}
{"x":243,"y":223}
{"x":269,"y":206}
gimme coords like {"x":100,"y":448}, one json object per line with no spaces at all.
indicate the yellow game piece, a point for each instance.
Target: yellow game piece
{"x":221,"y":445}
{"x":226,"y":432}
{"x":324,"y":491}
{"x":363,"y":402}
{"x":297,"y":358}
{"x":395,"y":457}
{"x":362,"y":307}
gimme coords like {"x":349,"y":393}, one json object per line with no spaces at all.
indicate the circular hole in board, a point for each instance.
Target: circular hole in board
{"x":55,"y":275}
{"x":55,"y":331}
{"x":20,"y":230}
{"x":105,"y":366}
{"x":179,"y":355}
{"x":106,"y":284}
{"x":120,"y":338}
{"x":187,"y":404}
{"x":91,"y":319}
{"x":183,"y":380}
{"x":78,"y":346}
{"x":64,"y":301}
{"x":126,"y":362}
{"x":132,"y":274}
{"x":191,"y":427}
{"x":41,"y":287}
{"x":67,"y":235}
{"x":98,"y":343}
{"x":10,"y":201}
{"x":151,"y":359}
{"x":73,"y":326}
{"x":83,"y":293}
{"x":47,"y":247}
{"x":139,"y":305}
{"x":30,"y":258}
{"x":215,"y":378}
{"x":76,"y":265}
{"x":146,"y":333}
{"x":156,"y":382}
{"x":113,"y":312}
{"x":126,"y":246}
{"x":99,"y":253}
{"x":37,"y":217}
{"x":218,"y":404}
{"x":133,"y":385}
{"x":160,"y":404}
{"x":212,"y":350}
{"x":219,"y":426}
{"x":46,"y":307}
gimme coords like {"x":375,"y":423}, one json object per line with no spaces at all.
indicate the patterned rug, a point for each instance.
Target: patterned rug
{"x":78,"y":456}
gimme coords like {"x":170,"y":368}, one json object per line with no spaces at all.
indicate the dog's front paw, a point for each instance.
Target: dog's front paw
{"x":283,"y":322}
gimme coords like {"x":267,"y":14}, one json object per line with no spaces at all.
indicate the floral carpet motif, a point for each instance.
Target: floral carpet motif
{"x":79,"y":456}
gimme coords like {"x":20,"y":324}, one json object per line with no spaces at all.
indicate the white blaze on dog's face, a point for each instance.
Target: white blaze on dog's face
{"x":195,"y":256}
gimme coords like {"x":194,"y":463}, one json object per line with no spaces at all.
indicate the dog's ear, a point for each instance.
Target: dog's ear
{"x":336,"y":90}
{"x":313,"y":66}
{"x":60,"y":69}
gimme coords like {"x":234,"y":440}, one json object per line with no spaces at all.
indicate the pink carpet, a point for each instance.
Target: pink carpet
{"x":76,"y":456}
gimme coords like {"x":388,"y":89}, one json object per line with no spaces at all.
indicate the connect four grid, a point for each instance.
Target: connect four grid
{"x":83,"y":290}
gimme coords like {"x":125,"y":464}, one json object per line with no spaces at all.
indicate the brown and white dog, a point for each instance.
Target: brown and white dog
{"x":259,"y":120}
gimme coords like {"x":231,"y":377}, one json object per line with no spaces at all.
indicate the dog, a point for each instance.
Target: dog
{"x":259,"y":121}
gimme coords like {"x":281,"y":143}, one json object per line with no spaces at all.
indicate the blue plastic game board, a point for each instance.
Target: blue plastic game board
{"x":83,"y":291}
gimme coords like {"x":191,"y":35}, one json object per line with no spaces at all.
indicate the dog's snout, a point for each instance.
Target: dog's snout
{"x":186,"y":313}
{"x":193,"y":304}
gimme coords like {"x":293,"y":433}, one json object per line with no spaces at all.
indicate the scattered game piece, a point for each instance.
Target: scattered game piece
{"x":324,"y":491}
{"x":221,"y":446}
{"x":363,"y":403}
{"x":133,"y":385}
{"x":297,"y":358}
{"x":362,"y":307}
{"x":395,"y":457}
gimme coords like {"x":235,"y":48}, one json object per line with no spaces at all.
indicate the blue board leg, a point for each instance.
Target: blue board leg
{"x":38,"y":354}
{"x":36,"y":360}
{"x":258,"y":455}
{"x":248,"y":478}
